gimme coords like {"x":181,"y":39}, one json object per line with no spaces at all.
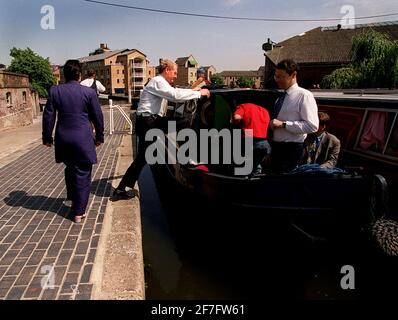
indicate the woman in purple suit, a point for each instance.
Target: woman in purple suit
{"x":73,"y":108}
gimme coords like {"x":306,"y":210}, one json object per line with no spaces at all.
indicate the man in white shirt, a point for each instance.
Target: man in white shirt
{"x":151,"y":109}
{"x":295,"y":115}
{"x":92,"y":82}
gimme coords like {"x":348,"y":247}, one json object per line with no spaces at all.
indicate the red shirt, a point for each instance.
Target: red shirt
{"x":254,"y":117}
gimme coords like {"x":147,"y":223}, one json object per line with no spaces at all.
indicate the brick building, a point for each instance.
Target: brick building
{"x":119,"y":70}
{"x":187,"y":68}
{"x":231,"y":77}
{"x":18,"y":105}
{"x":322,"y":50}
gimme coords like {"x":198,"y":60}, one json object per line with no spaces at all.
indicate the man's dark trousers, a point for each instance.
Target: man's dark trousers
{"x":286,"y":155}
{"x":143,"y":124}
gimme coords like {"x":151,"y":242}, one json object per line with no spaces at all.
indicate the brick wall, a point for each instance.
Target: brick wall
{"x":17,"y":107}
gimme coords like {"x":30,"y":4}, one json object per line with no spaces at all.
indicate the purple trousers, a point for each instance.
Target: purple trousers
{"x":78,"y":185}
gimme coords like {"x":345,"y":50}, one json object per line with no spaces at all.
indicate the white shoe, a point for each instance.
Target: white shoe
{"x":194,"y":163}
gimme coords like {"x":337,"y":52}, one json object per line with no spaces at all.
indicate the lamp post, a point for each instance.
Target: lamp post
{"x":267,"y":46}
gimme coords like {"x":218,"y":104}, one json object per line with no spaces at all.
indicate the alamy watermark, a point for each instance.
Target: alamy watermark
{"x":47,"y":21}
{"x":348,"y":20}
{"x":48,"y":280}
{"x":232,"y":149}
{"x":348,"y":280}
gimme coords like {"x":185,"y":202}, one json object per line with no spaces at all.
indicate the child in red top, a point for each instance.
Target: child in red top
{"x":255,"y":120}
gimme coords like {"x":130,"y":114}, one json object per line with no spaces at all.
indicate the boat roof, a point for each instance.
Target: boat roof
{"x":351,"y":94}
{"x":356,"y":95}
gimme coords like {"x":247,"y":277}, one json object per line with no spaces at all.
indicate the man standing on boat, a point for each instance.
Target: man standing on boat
{"x":321,"y":147}
{"x":150,"y":112}
{"x":294,"y":116}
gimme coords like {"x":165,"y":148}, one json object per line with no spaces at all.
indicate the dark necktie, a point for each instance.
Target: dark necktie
{"x":278,"y":105}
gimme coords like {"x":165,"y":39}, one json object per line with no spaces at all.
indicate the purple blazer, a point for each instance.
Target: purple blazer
{"x":73,"y":108}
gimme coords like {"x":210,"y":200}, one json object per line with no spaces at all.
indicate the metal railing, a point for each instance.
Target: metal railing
{"x":111,"y":118}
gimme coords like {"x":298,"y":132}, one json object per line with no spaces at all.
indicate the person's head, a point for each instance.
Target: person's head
{"x":286,"y":73}
{"x":91,"y":73}
{"x":72,"y":70}
{"x":168,"y":69}
{"x":323,"y":121}
{"x":201,"y":72}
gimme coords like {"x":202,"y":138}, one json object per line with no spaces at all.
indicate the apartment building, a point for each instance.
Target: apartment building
{"x":187,"y":68}
{"x":210,"y":71}
{"x":120,"y":71}
{"x":56,"y":73}
{"x":230,"y":78}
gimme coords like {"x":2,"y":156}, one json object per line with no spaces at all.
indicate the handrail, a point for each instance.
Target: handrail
{"x":111,"y":118}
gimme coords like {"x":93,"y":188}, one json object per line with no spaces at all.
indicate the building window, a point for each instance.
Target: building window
{"x":117,"y":72}
{"x":24,"y":96}
{"x":118,"y":81}
{"x":123,"y":71}
{"x":111,"y":61}
{"x":8,"y":98}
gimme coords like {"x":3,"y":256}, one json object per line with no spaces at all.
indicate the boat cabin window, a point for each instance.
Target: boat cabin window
{"x":392,"y":146}
{"x":379,"y":133}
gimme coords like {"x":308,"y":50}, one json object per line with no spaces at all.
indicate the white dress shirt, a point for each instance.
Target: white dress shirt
{"x":89,"y":82}
{"x":300,"y":111}
{"x":158,"y":91}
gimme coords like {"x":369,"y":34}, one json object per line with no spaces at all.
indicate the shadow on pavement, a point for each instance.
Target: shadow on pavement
{"x":103,"y":187}
{"x":20,"y":198}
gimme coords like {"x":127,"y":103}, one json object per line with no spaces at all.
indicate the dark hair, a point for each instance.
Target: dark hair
{"x":72,"y":70}
{"x":323,"y":118}
{"x":201,"y":70}
{"x":288,"y":65}
{"x":91,"y":72}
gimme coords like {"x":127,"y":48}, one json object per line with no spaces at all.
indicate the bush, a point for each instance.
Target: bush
{"x":245,"y":82}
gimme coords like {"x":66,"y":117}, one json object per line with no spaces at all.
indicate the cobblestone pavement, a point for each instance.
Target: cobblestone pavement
{"x":39,"y":245}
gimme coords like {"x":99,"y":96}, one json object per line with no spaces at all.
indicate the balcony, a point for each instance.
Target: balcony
{"x":136,"y":65}
{"x":137,"y":74}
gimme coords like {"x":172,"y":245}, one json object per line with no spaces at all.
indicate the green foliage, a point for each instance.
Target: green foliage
{"x":245,"y":82}
{"x":343,"y":78}
{"x":216,"y":80}
{"x":36,"y":67}
{"x":374,"y":64}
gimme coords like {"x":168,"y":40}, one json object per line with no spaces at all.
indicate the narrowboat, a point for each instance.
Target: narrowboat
{"x":349,"y":200}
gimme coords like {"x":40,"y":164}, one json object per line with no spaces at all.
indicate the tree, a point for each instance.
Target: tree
{"x":343,"y":78}
{"x":36,"y":67}
{"x":216,"y":80}
{"x":374,"y":64}
{"x":245,"y":82}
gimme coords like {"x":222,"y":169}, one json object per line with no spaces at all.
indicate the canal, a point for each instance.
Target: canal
{"x":194,"y":249}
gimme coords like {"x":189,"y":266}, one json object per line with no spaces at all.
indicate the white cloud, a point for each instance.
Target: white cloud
{"x":231,"y":3}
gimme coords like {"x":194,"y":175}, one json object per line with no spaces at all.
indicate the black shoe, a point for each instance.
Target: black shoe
{"x":121,"y":195}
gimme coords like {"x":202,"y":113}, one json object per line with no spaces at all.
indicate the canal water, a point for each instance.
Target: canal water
{"x":194,"y":249}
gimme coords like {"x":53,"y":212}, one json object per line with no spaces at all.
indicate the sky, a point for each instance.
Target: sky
{"x":80,"y":26}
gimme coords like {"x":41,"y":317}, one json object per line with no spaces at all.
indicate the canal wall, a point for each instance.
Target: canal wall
{"x":119,"y":267}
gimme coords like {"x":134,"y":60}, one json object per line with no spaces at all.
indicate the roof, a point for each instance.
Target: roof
{"x":101,"y":56}
{"x":326,"y":45}
{"x":131,"y":51}
{"x":208,"y":67}
{"x":182,"y":61}
{"x":250,"y":73}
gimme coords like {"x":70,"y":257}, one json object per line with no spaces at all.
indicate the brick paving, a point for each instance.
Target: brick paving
{"x":37,"y":237}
